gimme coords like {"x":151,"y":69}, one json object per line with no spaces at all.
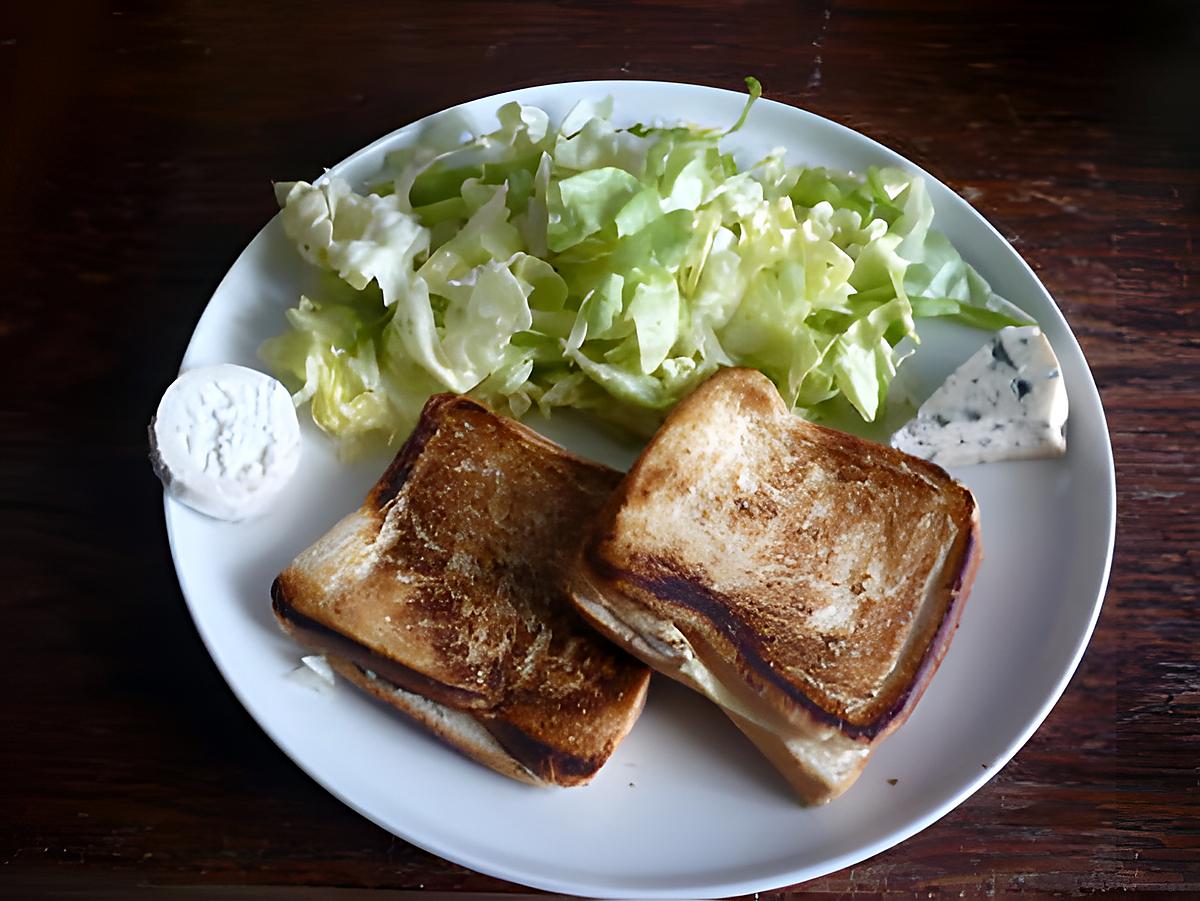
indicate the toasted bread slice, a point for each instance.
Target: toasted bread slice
{"x":807,"y":581}
{"x":444,"y":595}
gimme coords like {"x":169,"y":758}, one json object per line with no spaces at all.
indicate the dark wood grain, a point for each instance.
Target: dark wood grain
{"x":137,"y":141}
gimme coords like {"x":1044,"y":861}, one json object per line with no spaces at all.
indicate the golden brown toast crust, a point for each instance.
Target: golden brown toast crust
{"x":800,"y":553}
{"x":449,"y":582}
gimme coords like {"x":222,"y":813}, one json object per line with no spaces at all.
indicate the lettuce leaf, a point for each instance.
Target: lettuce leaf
{"x":609,"y":269}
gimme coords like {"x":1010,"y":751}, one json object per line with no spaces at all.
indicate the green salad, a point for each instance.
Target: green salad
{"x":580,"y":264}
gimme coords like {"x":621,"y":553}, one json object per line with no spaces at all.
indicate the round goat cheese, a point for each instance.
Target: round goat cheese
{"x":225,"y":440}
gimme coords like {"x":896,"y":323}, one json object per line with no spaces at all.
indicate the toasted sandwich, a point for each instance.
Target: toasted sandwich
{"x":444,"y":595}
{"x":807,"y":581}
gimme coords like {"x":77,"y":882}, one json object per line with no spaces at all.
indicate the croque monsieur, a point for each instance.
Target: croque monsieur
{"x":444,"y":596}
{"x":805,"y":580}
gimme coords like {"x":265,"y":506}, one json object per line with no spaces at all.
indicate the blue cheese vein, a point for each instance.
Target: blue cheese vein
{"x":1007,"y":402}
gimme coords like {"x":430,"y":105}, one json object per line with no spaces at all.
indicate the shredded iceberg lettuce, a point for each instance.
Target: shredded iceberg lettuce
{"x":609,"y":269}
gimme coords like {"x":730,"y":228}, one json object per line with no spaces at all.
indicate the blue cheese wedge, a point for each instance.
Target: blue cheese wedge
{"x":225,"y":440}
{"x":1007,"y":402}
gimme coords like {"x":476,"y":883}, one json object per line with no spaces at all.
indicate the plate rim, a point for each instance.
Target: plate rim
{"x":776,"y":878}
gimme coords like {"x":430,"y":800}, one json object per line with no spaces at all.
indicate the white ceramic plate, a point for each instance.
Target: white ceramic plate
{"x":686,"y":807}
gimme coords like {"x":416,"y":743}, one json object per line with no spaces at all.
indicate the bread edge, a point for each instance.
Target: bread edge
{"x":439,"y":720}
{"x":960,"y":582}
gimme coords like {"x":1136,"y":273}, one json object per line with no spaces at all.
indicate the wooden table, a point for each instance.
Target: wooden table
{"x":138,"y":144}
